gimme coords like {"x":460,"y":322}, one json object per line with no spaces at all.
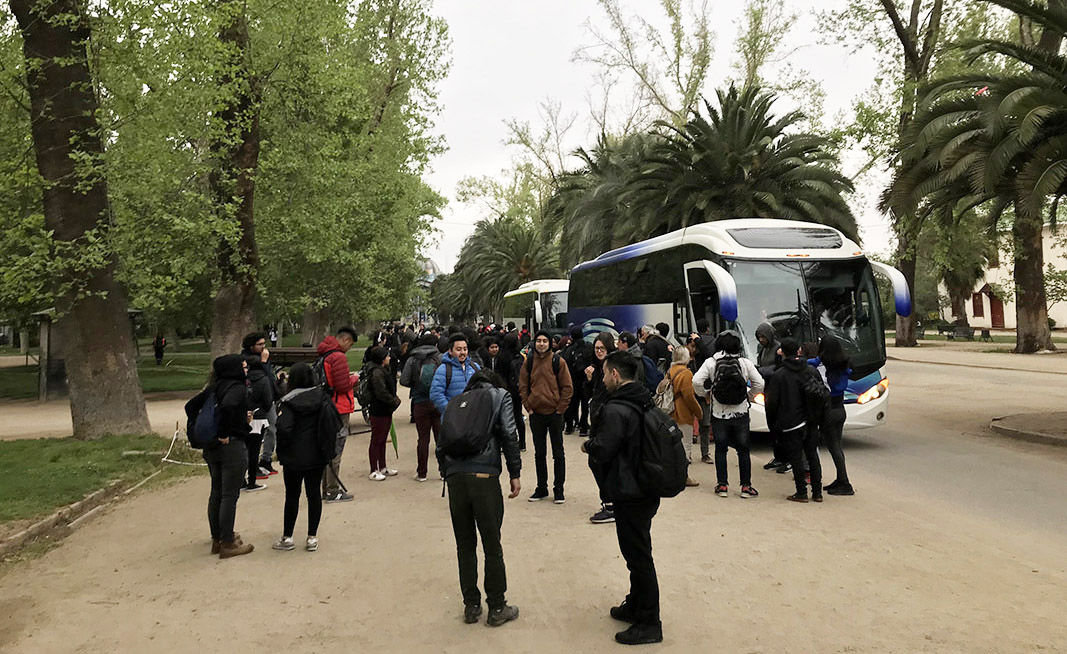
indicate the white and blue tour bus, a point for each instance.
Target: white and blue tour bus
{"x":806,"y":280}
{"x":540,"y":304}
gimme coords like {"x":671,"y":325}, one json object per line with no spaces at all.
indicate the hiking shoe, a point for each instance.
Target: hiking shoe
{"x":538,"y":495}
{"x":784,"y":468}
{"x":557,"y":497}
{"x":312,"y":544}
{"x":389,"y":472}
{"x":816,"y":497}
{"x":339,"y":496}
{"x":417,"y":477}
{"x":798,"y":497}
{"x":502,"y":615}
{"x":622,"y":612}
{"x":471,"y":613}
{"x":707,"y":459}
{"x":602,"y":517}
{"x":253,"y":487}
{"x":722,"y":490}
{"x":691,"y":483}
{"x":640,"y":634}
{"x":748,"y":491}
{"x":284,"y":543}
{"x":376,"y":476}
{"x":772,"y":464}
{"x":843,"y":489}
{"x":233,"y":548}
{"x":263,"y":473}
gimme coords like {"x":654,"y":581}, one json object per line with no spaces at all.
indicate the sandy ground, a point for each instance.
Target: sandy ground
{"x":31,"y":419}
{"x":892,"y":569}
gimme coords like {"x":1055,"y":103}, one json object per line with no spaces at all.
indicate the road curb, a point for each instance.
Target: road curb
{"x":1023,"y":435}
{"x":971,"y":365}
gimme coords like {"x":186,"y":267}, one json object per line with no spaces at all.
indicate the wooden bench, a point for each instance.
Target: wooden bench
{"x":283,"y":357}
{"x":962,"y":333}
{"x":946,"y":328}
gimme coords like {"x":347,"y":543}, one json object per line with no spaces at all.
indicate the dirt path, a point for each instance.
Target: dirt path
{"x":30,"y":419}
{"x":885,"y":571}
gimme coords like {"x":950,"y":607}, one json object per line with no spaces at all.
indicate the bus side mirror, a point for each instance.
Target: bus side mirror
{"x":901,"y":293}
{"x":539,"y":315}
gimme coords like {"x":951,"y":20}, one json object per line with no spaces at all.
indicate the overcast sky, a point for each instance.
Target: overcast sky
{"x":508,"y":56}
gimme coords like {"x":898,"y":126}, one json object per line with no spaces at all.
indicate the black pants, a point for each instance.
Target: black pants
{"x":253,"y":442}
{"x":804,"y":443}
{"x":598,"y":475}
{"x":578,"y":410}
{"x":476,"y":503}
{"x":833,"y":427}
{"x":633,"y":525}
{"x":226,"y":465}
{"x":520,"y":424}
{"x":542,"y":426}
{"x":311,"y":480}
{"x":732,"y":432}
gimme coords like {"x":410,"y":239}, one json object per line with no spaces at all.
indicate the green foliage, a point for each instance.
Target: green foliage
{"x":1055,"y":286}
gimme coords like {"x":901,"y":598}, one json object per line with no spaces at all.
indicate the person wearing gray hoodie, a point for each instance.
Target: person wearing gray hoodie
{"x":767,"y":361}
{"x":418,"y":374}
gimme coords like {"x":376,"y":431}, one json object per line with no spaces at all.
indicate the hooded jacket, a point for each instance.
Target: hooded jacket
{"x":424,"y":355}
{"x":308,"y":424}
{"x":263,"y":385}
{"x":786,"y":405}
{"x":767,"y":355}
{"x":337,"y":375}
{"x":657,"y":348}
{"x":232,"y":395}
{"x":542,"y":391}
{"x":461,"y":375}
{"x":383,"y":390}
{"x":615,"y":441}
{"x":595,"y":391}
{"x":504,"y":439}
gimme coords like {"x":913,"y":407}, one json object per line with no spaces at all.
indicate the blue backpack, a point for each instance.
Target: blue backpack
{"x":203,"y":429}
{"x":653,"y":375}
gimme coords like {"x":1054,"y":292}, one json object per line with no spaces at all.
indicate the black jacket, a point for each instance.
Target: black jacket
{"x":615,"y":441}
{"x":786,"y":404}
{"x":384,"y":400}
{"x":657,"y":349}
{"x":263,"y":385}
{"x":308,"y":424}
{"x":578,"y":356}
{"x":233,"y":397}
{"x":594,"y":390}
{"x":505,"y":439}
{"x":500,"y":364}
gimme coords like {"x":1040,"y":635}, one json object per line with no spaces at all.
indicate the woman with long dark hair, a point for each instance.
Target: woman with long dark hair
{"x":834,"y":364}
{"x":597,"y":392}
{"x":384,"y":402}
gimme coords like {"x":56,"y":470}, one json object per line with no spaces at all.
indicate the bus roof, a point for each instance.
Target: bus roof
{"x":541,"y":286}
{"x":747,"y":238}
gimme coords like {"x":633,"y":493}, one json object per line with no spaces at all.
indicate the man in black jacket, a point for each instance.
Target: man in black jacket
{"x":476,"y":503}
{"x":788,"y":415}
{"x":615,"y":443}
{"x":578,"y":356}
{"x":264,"y":387}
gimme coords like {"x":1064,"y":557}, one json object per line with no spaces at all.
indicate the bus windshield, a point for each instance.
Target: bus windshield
{"x":806,"y":301}
{"x":554,"y":306}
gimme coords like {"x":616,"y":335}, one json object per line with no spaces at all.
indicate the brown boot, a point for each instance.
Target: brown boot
{"x":235,"y":548}
{"x":216,"y":545}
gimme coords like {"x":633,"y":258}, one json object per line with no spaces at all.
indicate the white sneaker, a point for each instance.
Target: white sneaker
{"x":312,"y":544}
{"x":418,"y":478}
{"x":389,"y":472}
{"x":376,"y":476}
{"x":285,"y":543}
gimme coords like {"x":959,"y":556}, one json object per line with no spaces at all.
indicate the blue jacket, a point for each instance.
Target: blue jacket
{"x":835,"y":381}
{"x":460,"y":376}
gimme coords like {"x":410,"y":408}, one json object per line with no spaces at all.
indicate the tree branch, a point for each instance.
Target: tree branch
{"x":902,"y":33}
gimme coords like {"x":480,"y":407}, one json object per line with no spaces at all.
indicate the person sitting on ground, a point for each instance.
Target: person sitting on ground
{"x":730,"y":380}
{"x":615,"y":442}
{"x":687,"y":409}
{"x":476,"y":504}
{"x":308,"y":424}
{"x":383,"y":404}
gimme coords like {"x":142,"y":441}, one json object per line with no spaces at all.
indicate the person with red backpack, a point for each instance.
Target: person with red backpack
{"x":339,"y":380}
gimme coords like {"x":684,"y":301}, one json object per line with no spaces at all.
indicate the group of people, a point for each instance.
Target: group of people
{"x":598,"y":389}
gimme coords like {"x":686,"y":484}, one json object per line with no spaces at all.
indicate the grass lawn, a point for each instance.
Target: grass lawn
{"x":41,"y":475}
{"x":18,"y":383}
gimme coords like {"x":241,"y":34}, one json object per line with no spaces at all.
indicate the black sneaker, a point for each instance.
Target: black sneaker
{"x":568,"y":430}
{"x":583,"y":432}
{"x":502,"y":615}
{"x":265,"y":464}
{"x":253,"y":487}
{"x":640,"y":634}
{"x":784,"y":468}
{"x":834,"y":484}
{"x":707,"y":459}
{"x":749,"y":491}
{"x":798,"y":497}
{"x":622,"y":613}
{"x":339,"y":496}
{"x":538,"y":495}
{"x":843,"y":489}
{"x":471,"y":613}
{"x":816,"y":497}
{"x":772,"y":464}
{"x":602,"y":517}
{"x":557,"y":497}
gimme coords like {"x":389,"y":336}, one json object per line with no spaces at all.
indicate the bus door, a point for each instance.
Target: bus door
{"x":712,"y":295}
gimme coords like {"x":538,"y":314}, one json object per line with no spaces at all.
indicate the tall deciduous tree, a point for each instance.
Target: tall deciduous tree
{"x":94,"y":330}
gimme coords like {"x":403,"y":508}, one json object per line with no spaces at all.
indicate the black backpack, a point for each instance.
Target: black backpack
{"x":662,"y":466}
{"x":816,"y":393}
{"x":729,"y":387}
{"x":467,"y":424}
{"x":318,"y":372}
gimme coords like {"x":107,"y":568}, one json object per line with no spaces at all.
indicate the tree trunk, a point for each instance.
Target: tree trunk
{"x":233,"y":184}
{"x":24,"y":342}
{"x":1031,"y":315}
{"x":906,"y":332}
{"x":105,"y":393}
{"x":959,"y":310}
{"x":316,"y":324}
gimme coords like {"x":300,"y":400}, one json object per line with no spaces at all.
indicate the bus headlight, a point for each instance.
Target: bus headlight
{"x":760,"y":399}
{"x":874,"y":392}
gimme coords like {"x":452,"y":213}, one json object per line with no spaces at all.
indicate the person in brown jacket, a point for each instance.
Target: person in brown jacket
{"x":546,"y":388}
{"x":687,"y":408}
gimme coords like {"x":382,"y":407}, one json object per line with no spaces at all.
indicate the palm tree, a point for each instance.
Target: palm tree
{"x":998,"y":137}
{"x":740,"y":162}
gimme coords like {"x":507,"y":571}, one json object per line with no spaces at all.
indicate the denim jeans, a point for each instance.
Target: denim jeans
{"x":732,"y":432}
{"x":705,"y":429}
{"x":270,"y":435}
{"x":549,"y":425}
{"x":227,"y":465}
{"x":476,"y":503}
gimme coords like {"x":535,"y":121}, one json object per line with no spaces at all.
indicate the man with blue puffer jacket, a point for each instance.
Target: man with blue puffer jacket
{"x":454,"y":373}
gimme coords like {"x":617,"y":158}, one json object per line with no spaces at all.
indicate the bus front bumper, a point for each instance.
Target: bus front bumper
{"x":857,"y":416}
